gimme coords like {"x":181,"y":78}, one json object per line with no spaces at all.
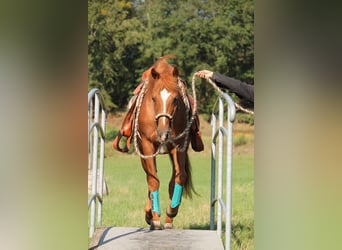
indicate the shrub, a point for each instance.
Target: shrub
{"x":239,"y":140}
{"x":245,"y":118}
{"x":110,"y":134}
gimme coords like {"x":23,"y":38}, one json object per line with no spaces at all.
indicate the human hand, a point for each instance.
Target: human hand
{"x":204,"y":74}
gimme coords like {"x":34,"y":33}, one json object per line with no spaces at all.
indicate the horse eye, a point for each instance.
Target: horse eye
{"x":175,"y":101}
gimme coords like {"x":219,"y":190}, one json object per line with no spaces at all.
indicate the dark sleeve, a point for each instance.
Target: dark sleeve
{"x":242,"y":89}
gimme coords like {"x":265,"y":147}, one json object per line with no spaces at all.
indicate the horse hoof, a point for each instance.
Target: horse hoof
{"x":156,"y":225}
{"x":148,"y":217}
{"x":168,"y":226}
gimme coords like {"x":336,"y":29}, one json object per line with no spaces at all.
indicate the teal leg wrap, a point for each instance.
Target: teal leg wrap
{"x":177,"y":196}
{"x":155,"y":202}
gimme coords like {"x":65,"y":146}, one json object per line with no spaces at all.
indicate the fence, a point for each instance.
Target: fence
{"x":220,"y":131}
{"x":96,"y":133}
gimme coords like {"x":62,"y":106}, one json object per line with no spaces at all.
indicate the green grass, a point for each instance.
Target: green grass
{"x":124,"y":206}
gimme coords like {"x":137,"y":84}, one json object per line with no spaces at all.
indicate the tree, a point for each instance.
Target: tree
{"x":126,"y":37}
{"x":113,"y":38}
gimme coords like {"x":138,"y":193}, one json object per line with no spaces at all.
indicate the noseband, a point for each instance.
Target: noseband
{"x":168,"y":116}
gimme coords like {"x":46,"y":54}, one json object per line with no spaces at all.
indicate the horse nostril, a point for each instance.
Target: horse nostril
{"x":163,"y":136}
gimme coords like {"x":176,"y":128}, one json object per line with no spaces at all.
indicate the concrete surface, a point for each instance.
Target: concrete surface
{"x":128,"y":238}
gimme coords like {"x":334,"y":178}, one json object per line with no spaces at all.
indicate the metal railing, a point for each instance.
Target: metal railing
{"x":96,"y":133}
{"x":217,"y":155}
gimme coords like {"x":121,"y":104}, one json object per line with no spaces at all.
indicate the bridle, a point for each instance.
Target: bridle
{"x":160,"y":115}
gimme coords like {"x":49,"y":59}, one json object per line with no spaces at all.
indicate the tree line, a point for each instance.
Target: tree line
{"x":126,"y":37}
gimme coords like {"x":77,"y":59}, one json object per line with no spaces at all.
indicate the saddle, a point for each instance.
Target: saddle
{"x":126,"y":129}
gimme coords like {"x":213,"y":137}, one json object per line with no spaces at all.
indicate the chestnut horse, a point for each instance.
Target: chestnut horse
{"x":162,"y":123}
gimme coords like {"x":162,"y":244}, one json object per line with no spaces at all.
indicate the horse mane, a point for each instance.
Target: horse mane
{"x":167,"y":74}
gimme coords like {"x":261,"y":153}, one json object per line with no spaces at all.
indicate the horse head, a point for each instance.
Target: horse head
{"x":165,"y":97}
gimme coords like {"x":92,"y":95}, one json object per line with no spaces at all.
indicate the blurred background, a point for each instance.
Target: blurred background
{"x":45,"y":56}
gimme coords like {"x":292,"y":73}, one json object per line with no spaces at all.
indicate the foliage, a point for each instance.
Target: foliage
{"x":125,"y":38}
{"x":239,"y":140}
{"x":113,"y":35}
{"x":245,"y":118}
{"x":111,"y":134}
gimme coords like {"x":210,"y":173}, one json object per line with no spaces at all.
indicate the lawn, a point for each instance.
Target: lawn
{"x":124,"y":206}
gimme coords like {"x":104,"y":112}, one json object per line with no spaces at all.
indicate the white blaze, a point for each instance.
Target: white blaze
{"x":164,"y":95}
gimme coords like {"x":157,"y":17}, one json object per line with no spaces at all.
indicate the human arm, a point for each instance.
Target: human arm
{"x":242,"y":89}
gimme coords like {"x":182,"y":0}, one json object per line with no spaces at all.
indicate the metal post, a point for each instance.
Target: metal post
{"x":102,"y":149}
{"x":230,"y":120}
{"x":219,"y":168}
{"x":95,"y":106}
{"x":89,"y":148}
{"x":220,"y":132}
{"x":94,"y":167}
{"x":229,"y":177}
{"x":213,"y":172}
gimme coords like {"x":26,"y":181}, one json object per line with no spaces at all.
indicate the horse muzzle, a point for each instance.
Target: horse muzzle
{"x":163,"y":136}
{"x":163,"y":128}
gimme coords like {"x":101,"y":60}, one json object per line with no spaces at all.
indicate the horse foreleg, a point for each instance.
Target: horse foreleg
{"x":175,"y":187}
{"x":152,"y":208}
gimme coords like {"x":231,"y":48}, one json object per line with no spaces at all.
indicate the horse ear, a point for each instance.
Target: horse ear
{"x":175,"y":72}
{"x":155,"y":74}
{"x":145,"y":75}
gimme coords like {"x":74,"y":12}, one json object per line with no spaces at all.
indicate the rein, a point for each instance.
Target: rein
{"x":135,"y":133}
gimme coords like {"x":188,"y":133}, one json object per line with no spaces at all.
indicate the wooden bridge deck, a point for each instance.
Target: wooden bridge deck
{"x":128,"y":238}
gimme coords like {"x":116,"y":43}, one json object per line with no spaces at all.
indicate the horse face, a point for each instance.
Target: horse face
{"x":165,"y":104}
